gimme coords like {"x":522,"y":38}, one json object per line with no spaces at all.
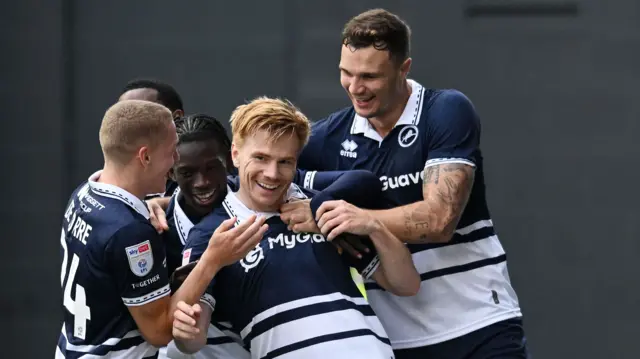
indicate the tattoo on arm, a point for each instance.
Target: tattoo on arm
{"x":446,"y":189}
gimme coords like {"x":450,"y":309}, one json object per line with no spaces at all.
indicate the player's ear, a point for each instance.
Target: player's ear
{"x":171,"y":174}
{"x":143,"y":156}
{"x":405,"y":67}
{"x":235,"y":155}
{"x":177,"y":114}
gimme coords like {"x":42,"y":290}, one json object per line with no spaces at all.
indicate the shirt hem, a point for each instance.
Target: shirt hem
{"x":456,"y":333}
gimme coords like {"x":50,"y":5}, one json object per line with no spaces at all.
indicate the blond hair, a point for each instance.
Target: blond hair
{"x":277,"y":117}
{"x":131,"y":124}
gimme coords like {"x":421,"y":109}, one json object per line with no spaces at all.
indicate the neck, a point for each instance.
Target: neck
{"x":384,"y":123}
{"x":246,"y":200}
{"x":120,"y":176}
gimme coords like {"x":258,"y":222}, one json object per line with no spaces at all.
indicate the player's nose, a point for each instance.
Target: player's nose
{"x":201,"y":181}
{"x":271,"y":170}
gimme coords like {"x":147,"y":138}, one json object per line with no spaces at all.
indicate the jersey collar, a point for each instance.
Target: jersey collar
{"x":115,"y":192}
{"x":182,"y":221}
{"x":410,"y":115}
{"x":235,"y":208}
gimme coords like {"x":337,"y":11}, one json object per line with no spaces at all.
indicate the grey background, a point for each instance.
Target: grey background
{"x":555,"y":91}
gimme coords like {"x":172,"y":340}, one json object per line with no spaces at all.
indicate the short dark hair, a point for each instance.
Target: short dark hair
{"x":381,"y":29}
{"x":167,"y":95}
{"x":201,"y":127}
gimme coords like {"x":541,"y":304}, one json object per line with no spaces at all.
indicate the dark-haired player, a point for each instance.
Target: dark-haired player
{"x":158,"y":92}
{"x":154,"y":91}
{"x":424,"y":145}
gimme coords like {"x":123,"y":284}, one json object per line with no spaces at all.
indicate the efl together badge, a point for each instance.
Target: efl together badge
{"x":140,"y":258}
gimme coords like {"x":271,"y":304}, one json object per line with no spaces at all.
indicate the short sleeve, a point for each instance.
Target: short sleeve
{"x":453,"y":130}
{"x":197,"y":243}
{"x":139,"y":266}
{"x":311,"y":156}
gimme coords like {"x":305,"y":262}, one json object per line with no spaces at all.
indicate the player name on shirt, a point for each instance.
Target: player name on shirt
{"x":111,"y":258}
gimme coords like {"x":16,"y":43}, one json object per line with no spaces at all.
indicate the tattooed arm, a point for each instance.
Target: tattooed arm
{"x":452,"y":140}
{"x":445,"y":190}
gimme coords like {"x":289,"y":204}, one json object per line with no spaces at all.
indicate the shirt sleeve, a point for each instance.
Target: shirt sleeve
{"x":358,"y":187}
{"x":453,"y":131}
{"x":138,"y":263}
{"x":320,"y":180}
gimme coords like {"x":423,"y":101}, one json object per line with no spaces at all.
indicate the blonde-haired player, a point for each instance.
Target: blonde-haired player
{"x":293,"y":294}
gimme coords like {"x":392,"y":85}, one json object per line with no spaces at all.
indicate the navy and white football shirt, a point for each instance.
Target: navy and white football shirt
{"x":293,"y":295}
{"x":465,"y":283}
{"x":111,"y":258}
{"x":222,"y":342}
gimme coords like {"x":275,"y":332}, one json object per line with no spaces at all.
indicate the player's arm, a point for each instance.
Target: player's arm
{"x":390,"y":263}
{"x":449,"y":172}
{"x":190,"y":325}
{"x":143,"y":281}
{"x":396,"y":273}
{"x":321,"y":180}
{"x":138,"y":257}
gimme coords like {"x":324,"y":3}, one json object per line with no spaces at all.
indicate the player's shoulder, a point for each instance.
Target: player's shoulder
{"x":448,"y":108}
{"x":336,"y":122}
{"x":446,"y":97}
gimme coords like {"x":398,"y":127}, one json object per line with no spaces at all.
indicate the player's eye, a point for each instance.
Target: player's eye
{"x":185,"y":174}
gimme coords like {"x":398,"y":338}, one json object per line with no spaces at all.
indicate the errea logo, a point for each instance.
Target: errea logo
{"x":349,"y":148}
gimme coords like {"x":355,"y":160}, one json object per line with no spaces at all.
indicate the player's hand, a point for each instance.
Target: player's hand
{"x":229,"y":244}
{"x":298,"y":216}
{"x":184,"y":321}
{"x":337,"y":217}
{"x":350,"y":244}
{"x":156,"y":214}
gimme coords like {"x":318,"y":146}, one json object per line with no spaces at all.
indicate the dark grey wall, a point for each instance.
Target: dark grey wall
{"x":556,"y":94}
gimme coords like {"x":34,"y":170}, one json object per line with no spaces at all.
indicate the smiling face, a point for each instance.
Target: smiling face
{"x":201,"y":173}
{"x":266,"y":168}
{"x":373,"y":81}
{"x":158,"y":159}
